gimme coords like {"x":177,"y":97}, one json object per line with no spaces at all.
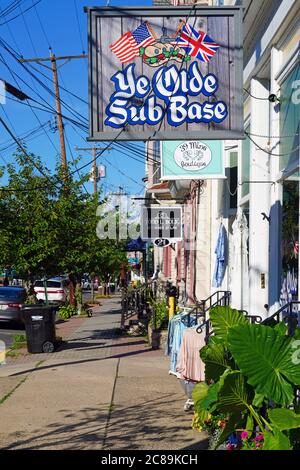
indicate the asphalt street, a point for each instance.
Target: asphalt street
{"x":9,"y":330}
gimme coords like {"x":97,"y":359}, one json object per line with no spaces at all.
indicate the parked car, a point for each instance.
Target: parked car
{"x":11,"y":301}
{"x":87,"y":284}
{"x":57,"y":290}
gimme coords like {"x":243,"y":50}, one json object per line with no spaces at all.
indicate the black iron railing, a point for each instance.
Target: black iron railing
{"x":288,"y":313}
{"x":135,"y":302}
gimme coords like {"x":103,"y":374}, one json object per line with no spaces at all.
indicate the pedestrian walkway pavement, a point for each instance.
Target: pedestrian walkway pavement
{"x":99,"y":391}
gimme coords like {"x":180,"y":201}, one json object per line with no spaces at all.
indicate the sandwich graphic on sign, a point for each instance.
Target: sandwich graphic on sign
{"x":159,"y":53}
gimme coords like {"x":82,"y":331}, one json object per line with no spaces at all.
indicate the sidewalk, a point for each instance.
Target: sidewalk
{"x":100,"y":391}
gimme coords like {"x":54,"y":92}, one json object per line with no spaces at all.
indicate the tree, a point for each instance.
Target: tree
{"x":48,"y":225}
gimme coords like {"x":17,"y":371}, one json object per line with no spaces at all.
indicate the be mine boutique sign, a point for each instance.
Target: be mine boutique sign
{"x":165,"y":73}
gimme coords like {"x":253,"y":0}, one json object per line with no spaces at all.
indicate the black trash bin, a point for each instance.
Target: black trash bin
{"x":40,"y":328}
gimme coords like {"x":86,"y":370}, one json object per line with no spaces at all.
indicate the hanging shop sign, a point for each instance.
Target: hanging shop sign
{"x":164,"y":72}
{"x":161,"y":223}
{"x":192,"y":159}
{"x":133,"y":261}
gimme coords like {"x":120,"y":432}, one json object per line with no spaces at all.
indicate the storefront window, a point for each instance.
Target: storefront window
{"x":290,"y":239}
{"x":233,"y":179}
{"x":289,"y":119}
{"x":246,"y":164}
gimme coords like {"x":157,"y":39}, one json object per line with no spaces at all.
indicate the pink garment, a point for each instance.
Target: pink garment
{"x":189,"y":364}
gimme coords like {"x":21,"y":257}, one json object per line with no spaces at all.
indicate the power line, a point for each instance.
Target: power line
{"x":46,"y":110}
{"x":26,"y":135}
{"x":29,"y":104}
{"x":31,"y":160}
{"x":268,"y":151}
{"x":10,"y":8}
{"x":74,"y":162}
{"x":17,"y":16}
{"x":41,"y":83}
{"x":28,"y":31}
{"x":11,"y":35}
{"x":48,"y":107}
{"x":79,"y":28}
{"x":109,"y":163}
{"x":41,"y":25}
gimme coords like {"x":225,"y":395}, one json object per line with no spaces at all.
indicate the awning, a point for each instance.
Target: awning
{"x":136,"y":245}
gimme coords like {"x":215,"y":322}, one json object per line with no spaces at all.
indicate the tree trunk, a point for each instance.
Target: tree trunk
{"x":79,"y":297}
{"x":92,"y":289}
{"x":72,"y":286}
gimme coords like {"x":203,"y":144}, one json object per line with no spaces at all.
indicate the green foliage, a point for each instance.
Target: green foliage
{"x":66,"y":311}
{"x":213,"y":355}
{"x":19,"y":341}
{"x":265,"y":358}
{"x":205,"y":401}
{"x":284,"y":419}
{"x":161,"y":312}
{"x":51,"y":228}
{"x":231,"y":426}
{"x":223,"y":318}
{"x":276,"y":441}
{"x":200,"y":393}
{"x":281,"y":328}
{"x":249,"y":368}
{"x":258,"y":400}
{"x":234,"y":394}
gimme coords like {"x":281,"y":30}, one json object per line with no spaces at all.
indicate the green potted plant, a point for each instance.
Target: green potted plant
{"x":252,"y":372}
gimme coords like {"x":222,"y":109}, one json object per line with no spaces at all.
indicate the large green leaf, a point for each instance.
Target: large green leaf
{"x":213,"y":355}
{"x":297,"y":333}
{"x":204,"y":398}
{"x":281,"y":328}
{"x":234,"y":393}
{"x":284,"y":419}
{"x":265,"y":358}
{"x":276,"y":441}
{"x":258,"y":400}
{"x":200,"y":393}
{"x":249,"y":423}
{"x":223,"y":318}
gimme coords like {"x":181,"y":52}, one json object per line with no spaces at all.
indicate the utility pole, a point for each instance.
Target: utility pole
{"x":60,"y":124}
{"x":53,"y":59}
{"x":94,"y":152}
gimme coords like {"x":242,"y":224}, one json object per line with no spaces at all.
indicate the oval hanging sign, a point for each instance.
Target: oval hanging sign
{"x":161,"y":242}
{"x":193,"y":155}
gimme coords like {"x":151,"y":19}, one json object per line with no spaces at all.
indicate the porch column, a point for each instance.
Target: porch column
{"x":259,"y":225}
{"x":275,"y":192}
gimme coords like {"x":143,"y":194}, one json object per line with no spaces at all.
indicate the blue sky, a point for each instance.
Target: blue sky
{"x":54,"y":23}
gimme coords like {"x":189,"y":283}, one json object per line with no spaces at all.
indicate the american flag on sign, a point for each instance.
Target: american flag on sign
{"x":128,"y":46}
{"x":198,"y":44}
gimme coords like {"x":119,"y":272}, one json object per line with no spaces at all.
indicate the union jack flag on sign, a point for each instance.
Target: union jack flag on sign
{"x":198,"y":44}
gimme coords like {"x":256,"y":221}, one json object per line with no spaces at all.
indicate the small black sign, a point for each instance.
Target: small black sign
{"x":161,"y":242}
{"x":164,"y":223}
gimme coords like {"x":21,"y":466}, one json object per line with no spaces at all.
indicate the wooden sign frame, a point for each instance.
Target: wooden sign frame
{"x":107,"y":25}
